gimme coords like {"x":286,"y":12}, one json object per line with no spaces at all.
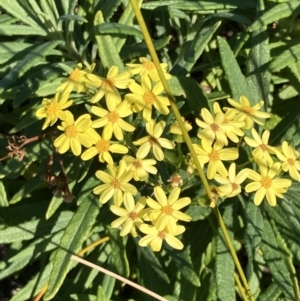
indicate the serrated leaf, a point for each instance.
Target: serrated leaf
{"x":36,"y":228}
{"x":197,"y":212}
{"x":286,"y":58}
{"x":73,"y":18}
{"x":224,"y":261}
{"x":272,"y":293}
{"x":119,"y":29}
{"x":194,"y":49}
{"x":107,"y":51}
{"x":118,"y":252}
{"x":75,"y":234}
{"x":3,"y":196}
{"x":31,"y":59}
{"x":21,"y":30}
{"x":34,"y":286}
{"x":275,"y":262}
{"x":278,"y":12}
{"x":235,"y":77}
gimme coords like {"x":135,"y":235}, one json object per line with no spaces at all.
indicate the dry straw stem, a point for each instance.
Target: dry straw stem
{"x":187,"y":140}
{"x":116,"y":276}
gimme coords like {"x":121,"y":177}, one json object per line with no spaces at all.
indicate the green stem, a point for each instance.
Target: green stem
{"x":187,"y":139}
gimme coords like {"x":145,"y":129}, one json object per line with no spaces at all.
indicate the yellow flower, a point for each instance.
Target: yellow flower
{"x":140,"y":166}
{"x":115,"y":183}
{"x":53,"y":109}
{"x":108,"y":86}
{"x":288,"y":155}
{"x":147,"y":68}
{"x":75,"y":134}
{"x":175,"y":129}
{"x":235,"y":131}
{"x":112,"y":120}
{"x":231,"y":185}
{"x":129,"y":217}
{"x":214,"y":129}
{"x":265,"y":185}
{"x":103,"y":147}
{"x":153,"y":141}
{"x":145,"y":96}
{"x":155,"y":237}
{"x":76,"y":80}
{"x":165,"y":212}
{"x":262,"y":149}
{"x":214,"y":157}
{"x":247,"y":113}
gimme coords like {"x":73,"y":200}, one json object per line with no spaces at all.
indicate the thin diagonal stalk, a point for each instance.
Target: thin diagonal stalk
{"x":187,"y":139}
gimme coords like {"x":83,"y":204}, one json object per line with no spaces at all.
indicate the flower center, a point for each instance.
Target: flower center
{"x":161,"y":234}
{"x":108,"y":83}
{"x":74,"y":75}
{"x":149,"y":66}
{"x":133,"y":215}
{"x":266,"y":182}
{"x":167,"y":210}
{"x":263,"y":147}
{"x":214,"y":155}
{"x":71,"y":131}
{"x":115,"y":184}
{"x":291,"y":161}
{"x":137,"y":164}
{"x":113,"y":117}
{"x":102,"y":145}
{"x":152,"y":140}
{"x":214,"y":127}
{"x":149,"y":98}
{"x":52,"y":109}
{"x":235,"y":186}
{"x":248,"y":110}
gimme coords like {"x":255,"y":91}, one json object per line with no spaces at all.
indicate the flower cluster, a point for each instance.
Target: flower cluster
{"x":126,"y":129}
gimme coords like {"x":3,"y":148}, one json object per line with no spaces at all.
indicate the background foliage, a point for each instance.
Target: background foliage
{"x":214,"y":49}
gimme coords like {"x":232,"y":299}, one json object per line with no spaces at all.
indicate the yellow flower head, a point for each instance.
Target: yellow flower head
{"x":141,"y":167}
{"x":231,"y":185}
{"x":115,"y":183}
{"x":53,"y":109}
{"x":165,"y":212}
{"x":155,"y":237}
{"x":266,"y":185}
{"x":75,"y":134}
{"x":247,"y":113}
{"x":288,"y":155}
{"x":145,"y":96}
{"x":129,"y":216}
{"x":148,"y":69}
{"x":214,"y":155}
{"x":109,"y":86}
{"x":176,"y":130}
{"x":76,"y":80}
{"x":153,"y":141}
{"x":262,"y":149}
{"x":112,"y":120}
{"x":102,"y":146}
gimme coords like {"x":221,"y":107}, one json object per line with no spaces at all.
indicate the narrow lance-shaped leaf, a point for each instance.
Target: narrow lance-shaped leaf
{"x":119,"y":29}
{"x":3,"y":197}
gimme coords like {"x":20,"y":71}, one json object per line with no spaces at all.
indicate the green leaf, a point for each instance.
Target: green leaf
{"x":287,"y":57}
{"x":235,"y":77}
{"x":271,"y":293}
{"x":276,"y":13}
{"x":197,"y":212}
{"x":192,"y":50}
{"x":101,"y":294}
{"x":36,"y":228}
{"x":107,"y":51}
{"x":14,"y":8}
{"x":34,"y":286}
{"x":184,"y":264}
{"x":73,"y":18}
{"x":21,"y":30}
{"x":31,"y":59}
{"x":224,"y":261}
{"x":3,"y":196}
{"x":119,"y":29}
{"x":108,"y":7}
{"x":191,"y":90}
{"x":9,"y":49}
{"x":275,"y":262}
{"x":118,"y":252}
{"x":75,"y":234}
